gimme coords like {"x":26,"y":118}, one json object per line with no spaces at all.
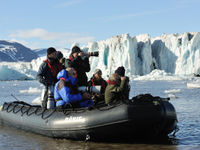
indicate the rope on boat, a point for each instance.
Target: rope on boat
{"x":25,"y":109}
{"x":14,"y":109}
{"x":48,"y":115}
{"x":29,"y":110}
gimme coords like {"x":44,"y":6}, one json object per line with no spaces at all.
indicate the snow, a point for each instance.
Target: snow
{"x":4,"y":48}
{"x":31,"y":90}
{"x":193,"y":85}
{"x":168,"y":57}
{"x":172,"y":91}
{"x":172,"y":96}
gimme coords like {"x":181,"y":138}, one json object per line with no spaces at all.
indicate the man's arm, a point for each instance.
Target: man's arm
{"x":41,"y":74}
{"x":68,"y":97}
{"x":121,"y":87}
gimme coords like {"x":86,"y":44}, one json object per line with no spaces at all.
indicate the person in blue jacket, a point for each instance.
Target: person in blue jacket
{"x":66,"y":90}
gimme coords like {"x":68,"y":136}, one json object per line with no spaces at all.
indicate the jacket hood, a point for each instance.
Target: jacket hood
{"x":63,"y":74}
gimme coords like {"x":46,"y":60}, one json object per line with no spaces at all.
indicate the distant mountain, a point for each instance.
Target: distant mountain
{"x":13,"y":52}
{"x":41,"y":52}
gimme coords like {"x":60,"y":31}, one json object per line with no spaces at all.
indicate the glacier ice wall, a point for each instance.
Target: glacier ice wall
{"x":178,"y":54}
{"x":117,"y":51}
{"x":173,"y":53}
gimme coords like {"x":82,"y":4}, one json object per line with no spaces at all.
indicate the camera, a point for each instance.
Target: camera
{"x":96,"y":53}
{"x":90,"y":89}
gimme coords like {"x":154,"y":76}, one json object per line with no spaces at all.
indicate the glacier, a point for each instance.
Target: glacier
{"x":167,"y":55}
{"x":178,"y":54}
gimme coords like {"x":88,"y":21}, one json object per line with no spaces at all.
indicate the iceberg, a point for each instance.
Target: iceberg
{"x":7,"y":73}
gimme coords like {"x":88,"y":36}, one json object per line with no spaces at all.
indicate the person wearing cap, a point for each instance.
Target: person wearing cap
{"x":121,"y":72}
{"x":47,"y":73}
{"x":80,"y":62}
{"x":115,"y":88}
{"x":96,"y":80}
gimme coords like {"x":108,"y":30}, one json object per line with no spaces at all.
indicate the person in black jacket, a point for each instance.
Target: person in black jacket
{"x":47,"y":73}
{"x":96,"y":80}
{"x":80,"y":62}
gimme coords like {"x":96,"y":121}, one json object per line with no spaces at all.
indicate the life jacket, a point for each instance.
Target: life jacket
{"x":71,"y":58}
{"x":111,"y":82}
{"x":102,"y":83}
{"x":54,"y":69}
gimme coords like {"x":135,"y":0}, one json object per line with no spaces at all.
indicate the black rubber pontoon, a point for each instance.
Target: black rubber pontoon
{"x":127,"y":119}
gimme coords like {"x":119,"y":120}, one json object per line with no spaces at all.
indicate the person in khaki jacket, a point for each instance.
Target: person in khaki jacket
{"x":115,"y":88}
{"x":121,"y":72}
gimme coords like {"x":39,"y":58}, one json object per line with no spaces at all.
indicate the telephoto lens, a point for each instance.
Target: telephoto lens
{"x":96,"y":54}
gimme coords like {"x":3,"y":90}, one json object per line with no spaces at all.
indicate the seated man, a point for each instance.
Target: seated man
{"x":115,"y":88}
{"x":98,"y":80}
{"x":66,"y":91}
{"x":121,"y":72}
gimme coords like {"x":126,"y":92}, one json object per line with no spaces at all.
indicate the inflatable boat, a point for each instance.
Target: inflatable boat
{"x":143,"y":116}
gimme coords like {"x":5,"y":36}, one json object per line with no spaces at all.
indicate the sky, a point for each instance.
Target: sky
{"x":60,"y":23}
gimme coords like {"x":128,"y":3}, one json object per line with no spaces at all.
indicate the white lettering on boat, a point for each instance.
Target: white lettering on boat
{"x":70,"y":120}
{"x":73,"y":118}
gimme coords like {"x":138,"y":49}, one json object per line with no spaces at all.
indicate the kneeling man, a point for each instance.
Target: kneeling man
{"x":66,"y":90}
